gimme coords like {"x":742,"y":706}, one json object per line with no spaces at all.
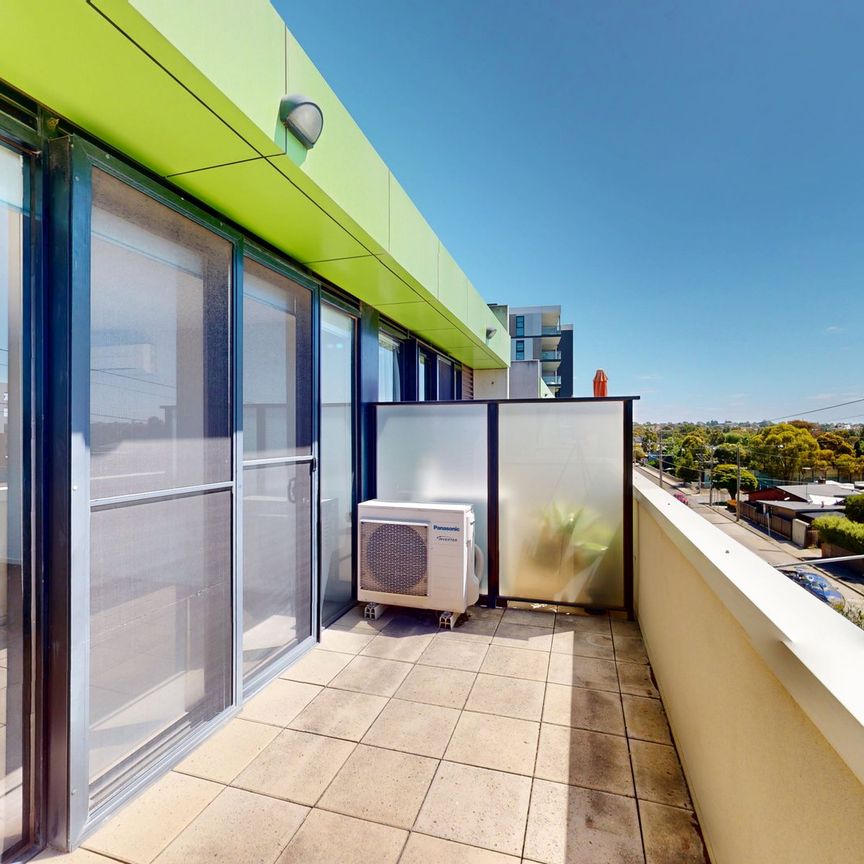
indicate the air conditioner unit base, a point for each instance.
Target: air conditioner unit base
{"x":449,"y":620}
{"x":420,"y":556}
{"x":373,"y":611}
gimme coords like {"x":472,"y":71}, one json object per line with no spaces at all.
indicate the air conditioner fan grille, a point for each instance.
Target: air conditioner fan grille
{"x":393,"y":558}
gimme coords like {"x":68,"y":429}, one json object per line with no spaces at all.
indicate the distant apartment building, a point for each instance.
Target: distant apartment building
{"x":565,"y":370}
{"x":538,"y":345}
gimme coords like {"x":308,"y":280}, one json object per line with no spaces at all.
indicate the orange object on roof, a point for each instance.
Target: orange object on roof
{"x":600,"y":382}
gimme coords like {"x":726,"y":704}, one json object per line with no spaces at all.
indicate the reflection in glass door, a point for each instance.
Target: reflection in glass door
{"x":14,"y":726}
{"x":337,"y":461}
{"x":277,"y":466}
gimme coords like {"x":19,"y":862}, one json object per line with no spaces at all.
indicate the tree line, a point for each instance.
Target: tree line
{"x":786,"y":452}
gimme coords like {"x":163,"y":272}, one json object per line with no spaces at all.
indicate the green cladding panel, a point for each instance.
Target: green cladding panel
{"x":66,"y":55}
{"x":191,"y":91}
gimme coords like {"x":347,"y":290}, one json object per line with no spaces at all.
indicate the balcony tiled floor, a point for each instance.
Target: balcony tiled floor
{"x":522,"y":736}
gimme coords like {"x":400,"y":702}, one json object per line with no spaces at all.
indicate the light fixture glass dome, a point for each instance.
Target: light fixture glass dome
{"x":303,"y":118}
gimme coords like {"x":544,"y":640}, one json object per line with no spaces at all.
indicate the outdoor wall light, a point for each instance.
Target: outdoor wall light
{"x":302,"y":118}
{"x":490,"y":332}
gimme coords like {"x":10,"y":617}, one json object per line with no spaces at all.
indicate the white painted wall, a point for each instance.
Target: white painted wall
{"x":491,"y":384}
{"x":762,"y":686}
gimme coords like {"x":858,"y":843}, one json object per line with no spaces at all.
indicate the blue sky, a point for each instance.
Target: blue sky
{"x":686,"y":179}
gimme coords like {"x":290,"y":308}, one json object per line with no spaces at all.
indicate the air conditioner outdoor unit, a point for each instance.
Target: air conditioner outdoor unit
{"x":418,"y":555}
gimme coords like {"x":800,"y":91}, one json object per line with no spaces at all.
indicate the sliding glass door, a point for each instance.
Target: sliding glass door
{"x":277,"y":466}
{"x":337,"y":460}
{"x":161,"y":491}
{"x":15,"y":661}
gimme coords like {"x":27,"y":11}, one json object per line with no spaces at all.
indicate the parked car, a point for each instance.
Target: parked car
{"x":680,"y":496}
{"x":817,"y":585}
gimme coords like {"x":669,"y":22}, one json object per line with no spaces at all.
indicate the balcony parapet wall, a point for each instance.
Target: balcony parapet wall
{"x":762,"y":686}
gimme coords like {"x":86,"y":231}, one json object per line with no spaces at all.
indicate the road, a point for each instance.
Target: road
{"x":773,"y":550}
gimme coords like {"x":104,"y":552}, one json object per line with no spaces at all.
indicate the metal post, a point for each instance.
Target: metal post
{"x":738,"y":488}
{"x":493,"y":514}
{"x":660,"y":447}
{"x":711,"y":479}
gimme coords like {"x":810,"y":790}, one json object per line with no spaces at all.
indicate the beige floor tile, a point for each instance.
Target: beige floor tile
{"x":568,"y":824}
{"x":297,"y":766}
{"x":330,"y":838}
{"x":507,"y":697}
{"x":515,"y":663}
{"x":279,"y":702}
{"x":583,"y":622}
{"x":646,"y":719}
{"x":522,"y":636}
{"x":413,"y":727}
{"x":586,"y":709}
{"x":436,"y":686}
{"x":340,"y":713}
{"x":625,"y":628}
{"x":630,"y":649}
{"x":354,"y":621}
{"x":636,"y":680}
{"x":317,"y":667}
{"x":485,"y":612}
{"x":380,"y":785}
{"x":409,"y":622}
{"x":543,"y":616}
{"x":423,"y":849}
{"x":406,"y":647}
{"x":223,"y":756}
{"x":140,"y":831}
{"x":237,"y":826}
{"x":585,"y":644}
{"x":357,"y":624}
{"x":477,"y":806}
{"x":583,"y":758}
{"x":658,"y":774}
{"x":671,"y":835}
{"x":576,"y":671}
{"x":453,"y":654}
{"x":473,"y":630}
{"x":344,"y":641}
{"x":372,"y":675}
{"x":79,"y":856}
{"x":499,"y":743}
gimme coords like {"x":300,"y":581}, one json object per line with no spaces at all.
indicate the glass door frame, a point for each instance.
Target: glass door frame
{"x":70,"y":161}
{"x":329,"y":298}
{"x":21,"y":139}
{"x":73,"y":161}
{"x":257,"y":253}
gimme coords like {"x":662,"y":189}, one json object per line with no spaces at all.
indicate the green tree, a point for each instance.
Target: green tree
{"x":855,"y":508}
{"x":686,"y":466}
{"x":692,"y":454}
{"x":728,"y":453}
{"x":823,"y":461}
{"x":715,"y":435}
{"x":783,"y":449}
{"x":848,"y":467}
{"x":812,"y":428}
{"x":726,"y":477}
{"x":638,"y":453}
{"x":834,"y":442}
{"x":649,"y":439}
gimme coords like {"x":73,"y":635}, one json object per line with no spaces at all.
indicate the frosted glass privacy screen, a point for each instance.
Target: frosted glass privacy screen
{"x":435,"y":453}
{"x":561,"y":475}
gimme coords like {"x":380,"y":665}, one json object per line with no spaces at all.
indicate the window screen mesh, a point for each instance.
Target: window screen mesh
{"x":160,"y":419}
